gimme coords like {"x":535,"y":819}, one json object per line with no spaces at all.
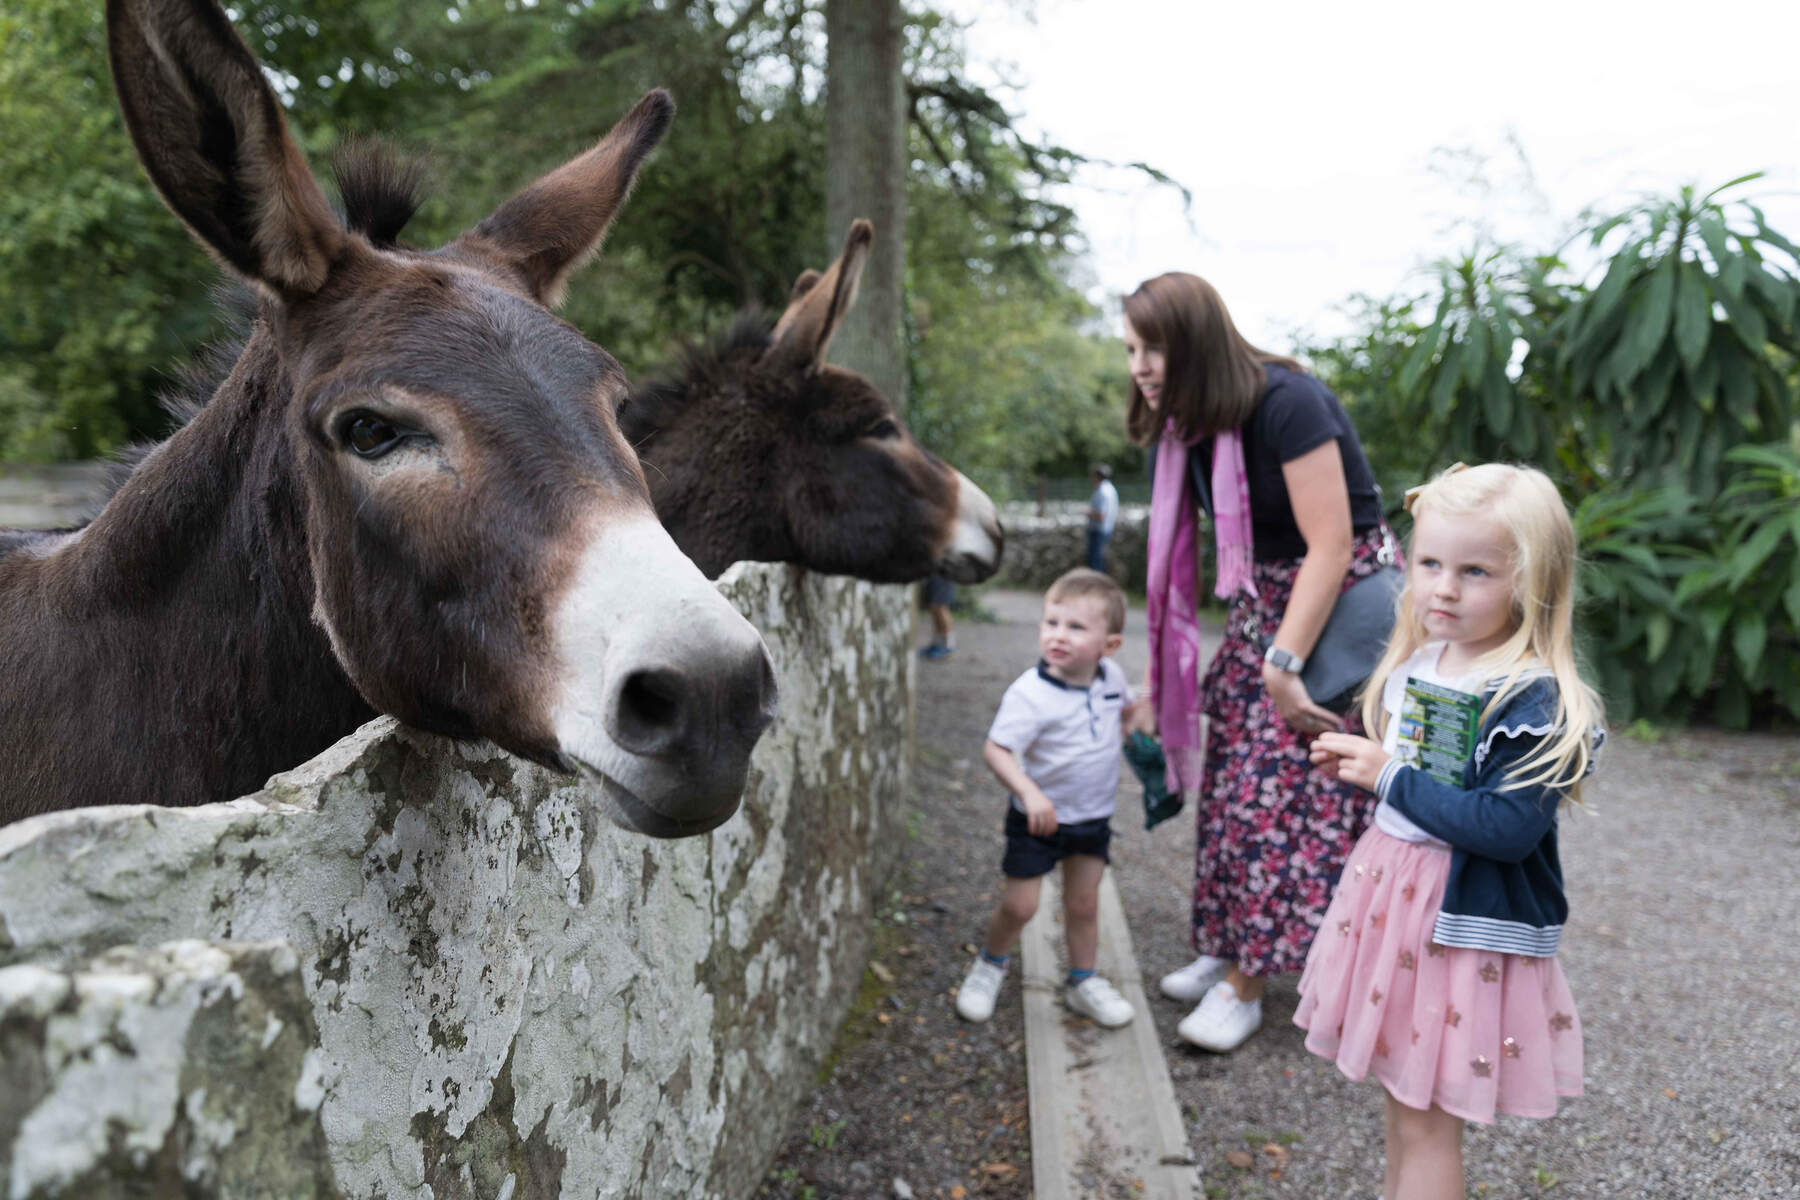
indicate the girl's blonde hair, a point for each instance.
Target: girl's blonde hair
{"x":1527,"y":506}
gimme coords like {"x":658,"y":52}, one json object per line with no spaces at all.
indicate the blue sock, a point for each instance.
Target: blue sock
{"x":1000,"y":962}
{"x":1076,"y":977}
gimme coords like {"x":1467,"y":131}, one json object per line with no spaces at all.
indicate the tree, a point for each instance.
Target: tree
{"x":865,"y":173}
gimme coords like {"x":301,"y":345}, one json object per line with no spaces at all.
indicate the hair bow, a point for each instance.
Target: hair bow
{"x":1413,"y":493}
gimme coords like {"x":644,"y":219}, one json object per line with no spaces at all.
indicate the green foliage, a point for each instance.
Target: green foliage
{"x":1008,"y":376}
{"x":100,"y":289}
{"x":1685,"y":346}
{"x":1633,"y":545}
{"x":99,"y":286}
{"x":824,"y":1137}
{"x":1739,"y":595}
{"x":1659,"y":394}
{"x":1011,"y":375}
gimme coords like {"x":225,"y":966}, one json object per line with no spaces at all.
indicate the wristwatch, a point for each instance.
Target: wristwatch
{"x":1282,"y":660}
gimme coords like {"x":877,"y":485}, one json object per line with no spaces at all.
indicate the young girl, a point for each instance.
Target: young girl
{"x":1436,"y":965}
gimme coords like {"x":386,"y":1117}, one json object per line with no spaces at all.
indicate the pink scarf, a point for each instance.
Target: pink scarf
{"x":1172,"y":588}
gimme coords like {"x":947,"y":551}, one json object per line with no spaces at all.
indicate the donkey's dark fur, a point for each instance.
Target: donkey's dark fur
{"x":789,"y":465}
{"x":755,"y":448}
{"x":409,"y":495}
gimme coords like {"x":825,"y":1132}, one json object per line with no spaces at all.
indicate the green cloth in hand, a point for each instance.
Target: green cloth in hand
{"x":1145,"y":755}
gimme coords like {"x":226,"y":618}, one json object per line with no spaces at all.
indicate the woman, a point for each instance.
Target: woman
{"x":1269,"y":453}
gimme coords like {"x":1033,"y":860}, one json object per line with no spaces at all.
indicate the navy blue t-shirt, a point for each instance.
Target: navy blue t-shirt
{"x":1295,"y":414}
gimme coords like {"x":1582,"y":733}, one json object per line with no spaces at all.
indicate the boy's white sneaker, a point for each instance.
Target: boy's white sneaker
{"x":980,"y":989}
{"x":1221,"y":1021}
{"x":1095,"y":998}
{"x":1196,"y":979}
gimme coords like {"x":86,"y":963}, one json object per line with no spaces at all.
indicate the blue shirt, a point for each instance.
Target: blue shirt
{"x":1105,"y":500}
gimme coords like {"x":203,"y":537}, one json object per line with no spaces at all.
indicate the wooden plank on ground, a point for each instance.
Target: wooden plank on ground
{"x":1103,"y":1109}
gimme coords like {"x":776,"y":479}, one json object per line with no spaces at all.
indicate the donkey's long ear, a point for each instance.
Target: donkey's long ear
{"x":210,"y":133}
{"x":551,"y":227}
{"x":817,"y":307}
{"x":803,"y":285}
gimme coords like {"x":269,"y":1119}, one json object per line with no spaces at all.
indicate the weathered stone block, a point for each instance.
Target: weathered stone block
{"x":188,"y":1069}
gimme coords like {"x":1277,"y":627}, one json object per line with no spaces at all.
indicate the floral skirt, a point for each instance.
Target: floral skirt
{"x":1273,"y":829}
{"x":1474,"y":1032}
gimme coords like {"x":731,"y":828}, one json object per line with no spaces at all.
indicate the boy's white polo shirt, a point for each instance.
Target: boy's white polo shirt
{"x":1066,"y":737}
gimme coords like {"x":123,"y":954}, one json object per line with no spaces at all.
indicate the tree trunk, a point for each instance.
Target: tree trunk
{"x":865,"y":155}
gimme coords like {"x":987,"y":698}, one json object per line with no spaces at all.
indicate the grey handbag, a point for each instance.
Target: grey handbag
{"x":1354,"y":636}
{"x":1353,"y":639}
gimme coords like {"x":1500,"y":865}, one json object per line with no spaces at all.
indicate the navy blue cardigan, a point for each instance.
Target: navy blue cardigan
{"x":1505,"y":890}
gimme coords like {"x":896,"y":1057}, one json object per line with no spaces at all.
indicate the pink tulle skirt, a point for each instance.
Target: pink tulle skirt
{"x":1471,"y":1031}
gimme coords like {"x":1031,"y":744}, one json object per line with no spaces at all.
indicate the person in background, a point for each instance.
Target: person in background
{"x":940,"y":594}
{"x":1270,"y":455}
{"x":1055,"y":744}
{"x":1102,"y":515}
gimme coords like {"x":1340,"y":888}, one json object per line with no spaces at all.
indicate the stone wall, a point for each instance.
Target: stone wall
{"x":1039,"y":548}
{"x":416,"y":968}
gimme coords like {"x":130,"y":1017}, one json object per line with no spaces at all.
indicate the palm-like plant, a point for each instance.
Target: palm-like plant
{"x":1661,"y":400}
{"x":1678,"y":350}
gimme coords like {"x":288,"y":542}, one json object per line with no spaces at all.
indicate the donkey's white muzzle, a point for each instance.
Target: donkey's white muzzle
{"x":664,"y":688}
{"x":976,"y":541}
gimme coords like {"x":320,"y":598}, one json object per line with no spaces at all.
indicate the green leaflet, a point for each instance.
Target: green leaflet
{"x":1606,"y":297}
{"x":1475,"y":358}
{"x":1692,"y":314}
{"x":1749,"y":557}
{"x":1497,"y":399}
{"x":1749,"y":633}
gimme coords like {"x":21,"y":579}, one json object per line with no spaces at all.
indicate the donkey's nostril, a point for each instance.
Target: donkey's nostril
{"x":649,"y":717}
{"x":755,"y":710}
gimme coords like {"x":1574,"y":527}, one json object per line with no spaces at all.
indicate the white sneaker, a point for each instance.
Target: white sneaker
{"x":1194,"y":980}
{"x":980,"y":988}
{"x":1221,"y":1021}
{"x":1095,"y":998}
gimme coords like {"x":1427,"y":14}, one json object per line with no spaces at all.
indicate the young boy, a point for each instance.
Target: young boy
{"x":1055,"y":745}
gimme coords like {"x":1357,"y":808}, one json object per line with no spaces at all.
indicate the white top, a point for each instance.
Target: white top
{"x":1423,"y":666}
{"x":1066,"y":738}
{"x":1106,"y":499}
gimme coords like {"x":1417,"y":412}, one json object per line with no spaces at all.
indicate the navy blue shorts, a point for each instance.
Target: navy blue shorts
{"x":939,"y":590}
{"x":1028,"y":856}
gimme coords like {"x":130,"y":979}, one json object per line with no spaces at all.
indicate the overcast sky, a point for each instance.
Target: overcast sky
{"x":1308,"y":132}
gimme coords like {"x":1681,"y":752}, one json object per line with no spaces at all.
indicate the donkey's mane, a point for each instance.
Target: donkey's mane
{"x":381,"y":187}
{"x":702,"y":369}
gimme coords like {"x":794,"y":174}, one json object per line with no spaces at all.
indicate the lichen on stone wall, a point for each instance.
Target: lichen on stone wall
{"x":178,"y":1070}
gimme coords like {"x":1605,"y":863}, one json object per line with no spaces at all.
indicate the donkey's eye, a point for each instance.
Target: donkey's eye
{"x":884,"y":428}
{"x":369,"y":435}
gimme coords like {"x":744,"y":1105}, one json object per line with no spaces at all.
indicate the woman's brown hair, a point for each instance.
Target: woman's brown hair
{"x":1212,"y":377}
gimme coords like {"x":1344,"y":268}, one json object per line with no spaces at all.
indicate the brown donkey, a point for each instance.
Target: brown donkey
{"x":760,"y":450}
{"x":409,"y":496}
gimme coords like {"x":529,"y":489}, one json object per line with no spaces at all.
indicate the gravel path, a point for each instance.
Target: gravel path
{"x":1681,"y":949}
